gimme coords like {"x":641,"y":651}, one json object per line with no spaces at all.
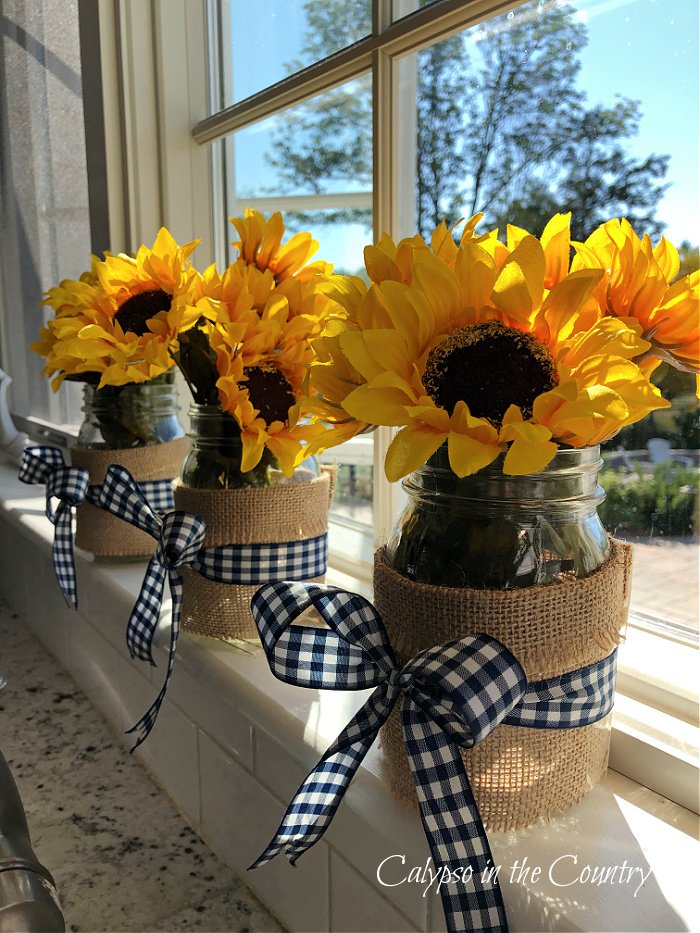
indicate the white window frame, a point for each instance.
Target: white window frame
{"x":160,"y":169}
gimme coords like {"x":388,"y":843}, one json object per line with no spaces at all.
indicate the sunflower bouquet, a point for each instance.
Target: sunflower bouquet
{"x":240,"y":337}
{"x":246,"y":360}
{"x":247,"y":357}
{"x":100,"y":336}
{"x":498,"y":357}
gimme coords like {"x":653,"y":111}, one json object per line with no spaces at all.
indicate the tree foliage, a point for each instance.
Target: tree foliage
{"x":690,"y":258}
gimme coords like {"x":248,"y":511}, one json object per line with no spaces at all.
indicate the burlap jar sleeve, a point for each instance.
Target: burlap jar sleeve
{"x":290,"y":512}
{"x":103,"y":534}
{"x":518,"y":775}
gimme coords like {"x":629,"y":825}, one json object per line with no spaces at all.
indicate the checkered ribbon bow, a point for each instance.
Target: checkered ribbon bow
{"x":180,"y":535}
{"x":71,"y":486}
{"x":452,"y":696}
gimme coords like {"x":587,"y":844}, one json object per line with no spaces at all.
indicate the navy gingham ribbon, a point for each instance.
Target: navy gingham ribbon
{"x":157,"y":492}
{"x":181,"y":536}
{"x":71,"y":486}
{"x":453,"y":695}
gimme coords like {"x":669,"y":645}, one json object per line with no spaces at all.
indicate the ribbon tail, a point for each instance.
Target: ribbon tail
{"x":148,"y":720}
{"x":444,"y":795}
{"x":143,"y":621}
{"x":63,"y":554}
{"x":312,"y":810}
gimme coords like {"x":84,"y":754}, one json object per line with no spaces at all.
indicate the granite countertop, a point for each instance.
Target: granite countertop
{"x":122,"y":857}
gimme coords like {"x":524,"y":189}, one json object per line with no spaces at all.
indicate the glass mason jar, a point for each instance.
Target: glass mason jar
{"x":492,"y":531}
{"x":136,"y":415}
{"x":214,"y":459}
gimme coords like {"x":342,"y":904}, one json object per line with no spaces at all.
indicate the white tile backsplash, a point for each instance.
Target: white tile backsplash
{"x":96,"y":665}
{"x":357,"y":906}
{"x":215,"y":715}
{"x":18,"y":561}
{"x":239,"y":818}
{"x":171,"y":751}
{"x":367,"y":827}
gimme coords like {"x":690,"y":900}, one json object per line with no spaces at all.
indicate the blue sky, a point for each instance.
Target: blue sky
{"x":643,"y":49}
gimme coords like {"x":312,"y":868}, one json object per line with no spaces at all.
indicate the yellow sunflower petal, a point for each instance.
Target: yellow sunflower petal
{"x":286,"y":451}
{"x":253,"y":443}
{"x":562,"y":306}
{"x":667,"y":259}
{"x":380,"y":403}
{"x":468,"y":454}
{"x":556,"y":243}
{"x":379,"y":263}
{"x":410,"y":449}
{"x":520,"y":283}
{"x":531,"y":446}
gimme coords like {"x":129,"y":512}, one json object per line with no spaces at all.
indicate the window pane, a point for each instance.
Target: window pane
{"x":321,"y":147}
{"x":556,"y":106}
{"x":43,"y":188}
{"x":351,"y":515}
{"x":562,"y":106}
{"x":265,"y":42}
{"x":401,"y":8}
{"x":314,"y":163}
{"x":651,"y":483}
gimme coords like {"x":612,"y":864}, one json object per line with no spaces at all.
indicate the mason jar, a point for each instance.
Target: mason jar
{"x":493,"y":531}
{"x":136,"y":415}
{"x":214,"y":459}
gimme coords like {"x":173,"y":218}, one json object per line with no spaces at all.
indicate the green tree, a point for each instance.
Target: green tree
{"x":600,"y":179}
{"x":535,"y":146}
{"x":690,"y":258}
{"x":521,"y":94}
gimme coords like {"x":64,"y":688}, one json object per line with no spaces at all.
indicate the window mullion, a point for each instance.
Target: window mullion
{"x":141,"y":137}
{"x":181,"y":98}
{"x":384,"y":220}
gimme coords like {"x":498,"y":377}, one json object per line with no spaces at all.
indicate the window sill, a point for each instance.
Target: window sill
{"x":232,"y":744}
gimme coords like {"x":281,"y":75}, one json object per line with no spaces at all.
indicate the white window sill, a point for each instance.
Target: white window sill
{"x":232,"y":744}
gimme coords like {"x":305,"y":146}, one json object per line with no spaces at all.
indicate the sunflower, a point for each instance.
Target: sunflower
{"x":260,"y":390}
{"x":71,"y":296}
{"x":58,"y":339}
{"x":332,"y":376}
{"x":638,"y":283}
{"x":261,"y":353}
{"x":261,"y":245}
{"x":140,"y":305}
{"x":556,"y":245}
{"x":121,"y":319}
{"x":477,"y":352}
{"x":286,"y":264}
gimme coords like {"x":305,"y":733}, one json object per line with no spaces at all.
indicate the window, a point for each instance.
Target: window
{"x":356,"y":117}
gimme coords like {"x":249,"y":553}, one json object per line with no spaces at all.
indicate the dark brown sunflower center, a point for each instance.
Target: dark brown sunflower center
{"x":270,"y":391}
{"x":489,"y":366}
{"x":137,"y":310}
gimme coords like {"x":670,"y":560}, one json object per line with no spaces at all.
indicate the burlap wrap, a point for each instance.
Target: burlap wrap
{"x":517,"y":774}
{"x":103,"y":534}
{"x":289,"y":512}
